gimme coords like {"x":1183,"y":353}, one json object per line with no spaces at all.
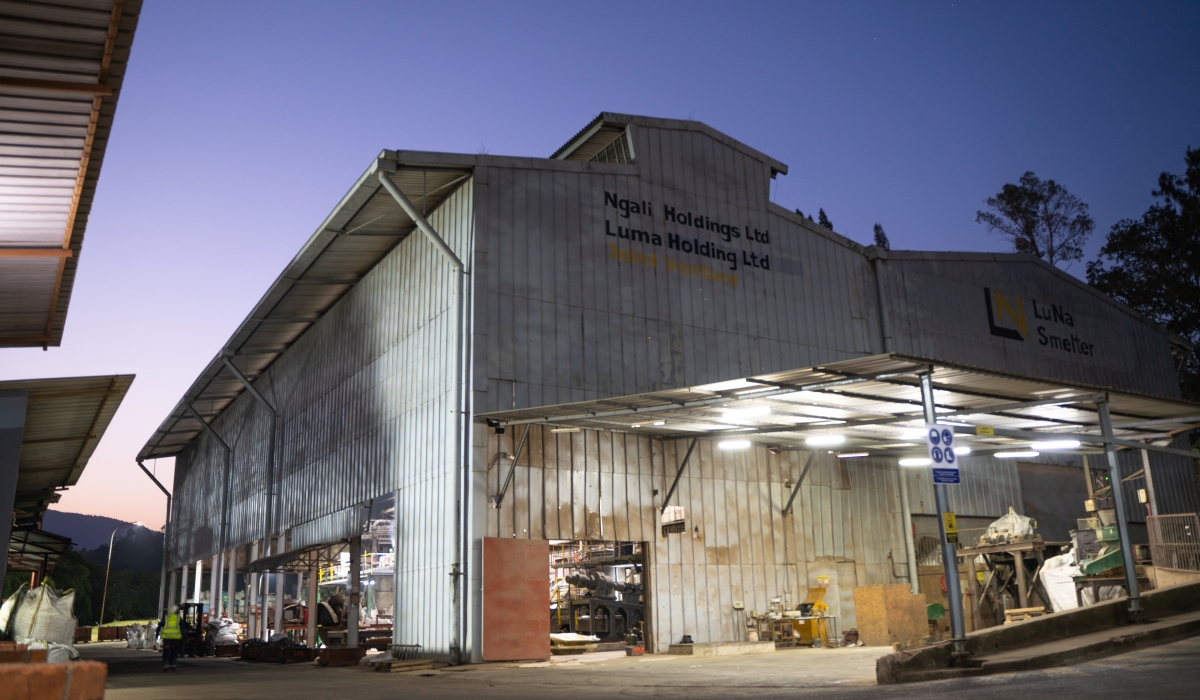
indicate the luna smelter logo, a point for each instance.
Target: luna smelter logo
{"x":1007,"y":319}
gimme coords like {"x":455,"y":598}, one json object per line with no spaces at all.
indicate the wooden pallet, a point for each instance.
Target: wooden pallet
{"x":1018,"y":614}
{"x":402,"y":666}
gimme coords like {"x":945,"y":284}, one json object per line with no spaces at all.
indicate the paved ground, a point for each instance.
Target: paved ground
{"x":1171,"y":670}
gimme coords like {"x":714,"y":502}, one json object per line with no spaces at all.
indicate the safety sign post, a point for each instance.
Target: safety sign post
{"x":939,"y":440}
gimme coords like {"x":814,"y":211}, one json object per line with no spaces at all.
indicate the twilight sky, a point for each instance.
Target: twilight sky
{"x":242,"y":124}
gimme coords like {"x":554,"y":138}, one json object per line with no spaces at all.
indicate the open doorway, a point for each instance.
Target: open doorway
{"x":598,"y":588}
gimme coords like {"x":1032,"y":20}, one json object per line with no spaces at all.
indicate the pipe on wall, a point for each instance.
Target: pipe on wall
{"x":462,"y":476}
{"x":162,"y":580}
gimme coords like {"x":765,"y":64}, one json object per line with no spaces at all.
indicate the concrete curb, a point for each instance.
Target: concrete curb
{"x":1089,"y":652}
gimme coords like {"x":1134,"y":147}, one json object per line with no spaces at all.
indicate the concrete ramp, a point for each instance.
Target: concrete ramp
{"x":1053,"y":640}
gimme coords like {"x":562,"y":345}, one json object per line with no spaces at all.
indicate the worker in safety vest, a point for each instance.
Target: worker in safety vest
{"x":171,"y":629}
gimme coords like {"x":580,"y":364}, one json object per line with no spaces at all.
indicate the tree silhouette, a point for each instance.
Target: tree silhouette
{"x":1039,"y":217}
{"x":881,"y":239}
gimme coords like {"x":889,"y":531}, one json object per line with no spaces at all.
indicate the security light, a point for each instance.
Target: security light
{"x":752,"y":412}
{"x":1055,"y":445}
{"x":825,"y":440}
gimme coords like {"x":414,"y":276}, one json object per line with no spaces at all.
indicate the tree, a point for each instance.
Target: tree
{"x":881,"y":239}
{"x":1039,"y":217}
{"x":824,"y":220}
{"x":1153,"y":263}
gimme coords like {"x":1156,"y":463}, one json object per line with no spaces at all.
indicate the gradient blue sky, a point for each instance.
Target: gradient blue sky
{"x":242,"y":124}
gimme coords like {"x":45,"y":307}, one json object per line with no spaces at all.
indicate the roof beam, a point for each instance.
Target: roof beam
{"x":99,"y":89}
{"x":36,"y":253}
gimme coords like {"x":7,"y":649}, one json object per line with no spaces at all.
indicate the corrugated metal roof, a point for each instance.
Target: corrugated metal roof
{"x":873,"y":401}
{"x":64,"y":421}
{"x":362,"y":229}
{"x":35,"y":550}
{"x":62,"y":64}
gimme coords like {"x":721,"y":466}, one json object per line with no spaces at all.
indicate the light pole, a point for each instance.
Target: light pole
{"x":104,"y":598}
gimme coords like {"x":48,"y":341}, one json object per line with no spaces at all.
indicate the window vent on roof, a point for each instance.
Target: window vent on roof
{"x":615,"y":152}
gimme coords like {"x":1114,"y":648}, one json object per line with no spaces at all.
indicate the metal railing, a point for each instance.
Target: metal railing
{"x":1174,"y":541}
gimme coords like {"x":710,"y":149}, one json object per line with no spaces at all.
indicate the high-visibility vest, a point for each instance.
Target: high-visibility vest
{"x":171,"y":629}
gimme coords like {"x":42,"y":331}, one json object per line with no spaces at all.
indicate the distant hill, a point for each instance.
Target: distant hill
{"x":86,"y":531}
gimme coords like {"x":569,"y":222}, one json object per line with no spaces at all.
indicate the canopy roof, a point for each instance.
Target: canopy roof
{"x":64,"y":421}
{"x":875,"y":404}
{"x":30,"y":549}
{"x":364,"y":227}
{"x":61,"y":69}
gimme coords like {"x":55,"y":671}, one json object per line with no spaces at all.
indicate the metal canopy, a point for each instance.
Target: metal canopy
{"x":300,"y":561}
{"x":35,"y":550}
{"x":365,"y":226}
{"x":64,"y":421}
{"x":875,"y":402}
{"x":61,"y":70}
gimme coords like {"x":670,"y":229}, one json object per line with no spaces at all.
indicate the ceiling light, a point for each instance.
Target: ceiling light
{"x":564,"y":430}
{"x":752,"y":412}
{"x":636,"y":425}
{"x":1055,"y":445}
{"x":1015,"y":455}
{"x":852,"y":455}
{"x":825,"y":440}
{"x":915,"y":462}
{"x":913,"y":434}
{"x":660,"y":422}
{"x":733,"y":444}
{"x":962,"y":451}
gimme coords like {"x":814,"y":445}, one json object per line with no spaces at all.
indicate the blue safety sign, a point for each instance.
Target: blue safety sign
{"x":939,"y":440}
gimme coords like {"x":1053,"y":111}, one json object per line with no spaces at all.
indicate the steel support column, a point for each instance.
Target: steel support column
{"x":352,"y":604}
{"x":910,"y":547}
{"x":199,"y":576}
{"x":231,"y":584}
{"x":1118,"y":496}
{"x":949,"y":553}
{"x":314,"y":576}
{"x":279,"y":581}
{"x":224,"y":537}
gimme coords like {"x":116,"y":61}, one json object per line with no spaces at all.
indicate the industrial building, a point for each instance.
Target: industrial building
{"x":627,"y":352}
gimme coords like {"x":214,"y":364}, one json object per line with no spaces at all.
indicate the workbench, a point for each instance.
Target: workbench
{"x":783,"y":633}
{"x":1019,"y":552}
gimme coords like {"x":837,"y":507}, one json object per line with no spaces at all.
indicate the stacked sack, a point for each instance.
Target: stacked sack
{"x":41,"y":618}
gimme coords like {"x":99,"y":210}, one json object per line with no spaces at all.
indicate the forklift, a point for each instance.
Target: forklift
{"x":191,"y":624}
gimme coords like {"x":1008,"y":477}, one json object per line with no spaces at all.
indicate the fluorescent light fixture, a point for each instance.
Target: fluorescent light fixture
{"x":751,"y":412}
{"x":915,"y":462}
{"x":733,"y":444}
{"x":1055,"y":445}
{"x":1015,"y":455}
{"x":564,"y":430}
{"x":913,"y":434}
{"x":825,"y":440}
{"x":852,"y":455}
{"x":962,"y":451}
{"x":660,"y":422}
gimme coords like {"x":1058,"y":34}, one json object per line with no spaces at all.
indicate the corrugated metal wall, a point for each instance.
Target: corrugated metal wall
{"x":366,"y":408}
{"x":937,"y":309}
{"x":738,"y":547}
{"x":558,"y":320}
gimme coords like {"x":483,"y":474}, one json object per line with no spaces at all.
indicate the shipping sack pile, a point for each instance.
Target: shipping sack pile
{"x":41,"y":618}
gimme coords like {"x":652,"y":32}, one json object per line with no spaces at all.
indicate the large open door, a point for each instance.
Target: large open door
{"x":515,"y":599}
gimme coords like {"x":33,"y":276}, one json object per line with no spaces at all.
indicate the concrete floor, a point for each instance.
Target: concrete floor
{"x":1170,"y":670}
